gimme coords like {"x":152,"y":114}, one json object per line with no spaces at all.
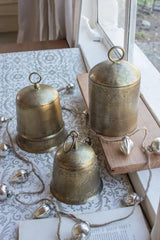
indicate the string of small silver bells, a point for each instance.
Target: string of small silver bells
{"x":82,"y":229}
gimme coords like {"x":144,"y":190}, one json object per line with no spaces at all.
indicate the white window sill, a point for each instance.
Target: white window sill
{"x":139,"y":180}
{"x":95,"y":52}
{"x":150,"y":82}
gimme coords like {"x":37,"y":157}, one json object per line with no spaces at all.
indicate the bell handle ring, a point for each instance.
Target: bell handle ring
{"x":74,"y":145}
{"x":116,"y":60}
{"x":36,"y":84}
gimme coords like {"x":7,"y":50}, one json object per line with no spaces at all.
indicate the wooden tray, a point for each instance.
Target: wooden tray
{"x":117,"y":162}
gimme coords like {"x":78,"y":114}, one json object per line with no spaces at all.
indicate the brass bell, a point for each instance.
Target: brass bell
{"x":76,"y":175}
{"x":40,"y":127}
{"x":114,"y":88}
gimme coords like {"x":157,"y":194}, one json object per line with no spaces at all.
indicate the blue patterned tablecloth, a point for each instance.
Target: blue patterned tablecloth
{"x":57,"y":68}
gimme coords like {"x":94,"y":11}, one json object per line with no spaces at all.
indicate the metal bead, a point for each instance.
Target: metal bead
{"x":81,"y":231}
{"x":155,"y":146}
{"x":9,"y":193}
{"x":85,"y":113}
{"x":126,"y":145}
{"x":4,"y":149}
{"x":2,"y":120}
{"x":20,"y":176}
{"x":88,"y":141}
{"x":42,"y":211}
{"x":130,"y":199}
{"x":4,"y":192}
{"x":69,"y":86}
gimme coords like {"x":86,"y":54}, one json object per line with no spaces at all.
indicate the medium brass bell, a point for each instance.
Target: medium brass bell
{"x":76,"y":175}
{"x":40,"y":127}
{"x":114,"y":88}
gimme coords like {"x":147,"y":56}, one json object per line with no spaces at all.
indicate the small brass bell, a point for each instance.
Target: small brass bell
{"x":76,"y":175}
{"x":40,"y":127}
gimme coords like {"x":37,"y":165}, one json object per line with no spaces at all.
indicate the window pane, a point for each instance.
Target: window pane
{"x":111,"y":17}
{"x":148,"y":29}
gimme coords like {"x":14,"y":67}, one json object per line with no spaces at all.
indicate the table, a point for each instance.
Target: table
{"x":57,"y":68}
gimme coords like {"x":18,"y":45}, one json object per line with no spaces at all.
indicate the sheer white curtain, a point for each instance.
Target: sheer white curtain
{"x":41,"y":20}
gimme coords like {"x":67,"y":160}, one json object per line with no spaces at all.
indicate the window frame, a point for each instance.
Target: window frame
{"x":129,"y":28}
{"x":150,"y":83}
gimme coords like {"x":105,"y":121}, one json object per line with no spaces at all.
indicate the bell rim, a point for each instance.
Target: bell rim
{"x":54,"y":142}
{"x":78,"y":201}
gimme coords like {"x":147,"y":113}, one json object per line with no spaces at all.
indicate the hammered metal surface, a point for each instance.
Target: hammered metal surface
{"x":113,"y":98}
{"x":113,"y":111}
{"x":40,"y":126}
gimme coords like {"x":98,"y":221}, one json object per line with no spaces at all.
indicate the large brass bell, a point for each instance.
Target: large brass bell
{"x":114,"y":88}
{"x":40,"y":127}
{"x":76,"y":175}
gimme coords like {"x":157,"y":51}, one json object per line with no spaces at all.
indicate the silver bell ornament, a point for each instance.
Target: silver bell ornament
{"x":85,"y":112}
{"x":68,"y":88}
{"x":81,"y":231}
{"x":4,"y":192}
{"x":126,"y":145}
{"x":155,"y":146}
{"x":42,"y":211}
{"x":131,"y":199}
{"x":20,"y":176}
{"x":2,"y":120}
{"x":88,"y":141}
{"x":4,"y":149}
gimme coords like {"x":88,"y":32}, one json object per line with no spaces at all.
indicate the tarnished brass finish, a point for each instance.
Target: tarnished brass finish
{"x":76,"y":175}
{"x":40,"y":127}
{"x":114,"y":88}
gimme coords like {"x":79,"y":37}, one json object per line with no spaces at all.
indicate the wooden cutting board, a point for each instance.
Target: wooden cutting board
{"x":117,"y":162}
